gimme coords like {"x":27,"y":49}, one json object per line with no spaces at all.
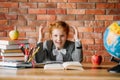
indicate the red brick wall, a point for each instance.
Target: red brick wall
{"x":90,"y":16}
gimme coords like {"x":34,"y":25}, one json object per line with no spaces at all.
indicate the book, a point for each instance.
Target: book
{"x":15,"y":64}
{"x":12,"y":58}
{"x":72,"y":65}
{"x":12,"y":46}
{"x":8,"y":41}
{"x":12,"y":54}
{"x":10,"y":50}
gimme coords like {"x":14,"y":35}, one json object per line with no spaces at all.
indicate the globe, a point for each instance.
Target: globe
{"x":111,"y":39}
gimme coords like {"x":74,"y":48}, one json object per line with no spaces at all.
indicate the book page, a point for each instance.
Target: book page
{"x":53,"y":66}
{"x":72,"y":65}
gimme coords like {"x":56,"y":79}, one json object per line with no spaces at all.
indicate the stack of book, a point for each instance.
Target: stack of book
{"x":10,"y":49}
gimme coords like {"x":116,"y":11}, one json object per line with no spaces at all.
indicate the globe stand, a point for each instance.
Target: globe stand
{"x":115,"y":69}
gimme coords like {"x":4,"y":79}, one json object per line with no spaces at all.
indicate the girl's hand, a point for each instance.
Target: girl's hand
{"x":40,"y":37}
{"x":76,"y":33}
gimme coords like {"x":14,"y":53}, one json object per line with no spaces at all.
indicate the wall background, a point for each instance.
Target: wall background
{"x":90,"y":16}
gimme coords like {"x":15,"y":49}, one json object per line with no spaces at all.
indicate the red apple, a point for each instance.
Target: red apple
{"x":96,"y":59}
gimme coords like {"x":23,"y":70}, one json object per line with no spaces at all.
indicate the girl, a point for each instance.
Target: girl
{"x":59,"y":48}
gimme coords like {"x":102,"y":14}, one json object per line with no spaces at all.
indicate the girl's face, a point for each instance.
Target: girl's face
{"x":59,"y":38}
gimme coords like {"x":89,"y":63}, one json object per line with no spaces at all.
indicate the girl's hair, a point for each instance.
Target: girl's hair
{"x":59,"y":25}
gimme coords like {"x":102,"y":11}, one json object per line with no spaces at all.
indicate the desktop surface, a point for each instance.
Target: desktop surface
{"x":91,"y":72}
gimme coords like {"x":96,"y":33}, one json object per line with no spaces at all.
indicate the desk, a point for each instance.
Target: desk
{"x":90,"y":73}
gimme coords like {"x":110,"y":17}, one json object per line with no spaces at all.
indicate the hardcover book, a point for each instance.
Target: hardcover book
{"x":10,"y":50}
{"x":8,"y":41}
{"x":12,"y":54}
{"x":12,"y":46}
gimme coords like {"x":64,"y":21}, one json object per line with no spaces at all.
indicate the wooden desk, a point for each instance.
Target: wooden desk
{"x":90,"y":73}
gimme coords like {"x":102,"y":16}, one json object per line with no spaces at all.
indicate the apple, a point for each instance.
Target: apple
{"x":96,"y":59}
{"x":14,"y":34}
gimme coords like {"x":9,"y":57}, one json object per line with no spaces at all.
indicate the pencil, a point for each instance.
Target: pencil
{"x":33,"y":54}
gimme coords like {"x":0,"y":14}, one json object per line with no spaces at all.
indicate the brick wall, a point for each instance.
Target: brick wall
{"x":90,"y":16}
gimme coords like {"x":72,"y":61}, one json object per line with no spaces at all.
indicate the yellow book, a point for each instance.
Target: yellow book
{"x":10,"y":50}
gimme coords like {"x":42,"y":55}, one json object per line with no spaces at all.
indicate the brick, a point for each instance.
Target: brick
{"x":38,"y":0}
{"x":27,"y":17}
{"x":76,"y":23}
{"x":94,"y":23}
{"x":3,"y":22}
{"x":6,"y":28}
{"x":94,"y":11}
{"x":11,"y":16}
{"x":77,"y":1}
{"x":108,"y":23}
{"x":105,"y":6}
{"x":57,"y":0}
{"x":75,"y":11}
{"x":97,"y":0}
{"x":107,"y":59}
{"x":85,"y":29}
{"x":103,"y":17}
{"x":46,"y":17}
{"x":8,"y":16}
{"x":85,"y":17}
{"x":65,"y":17}
{"x":99,"y":29}
{"x":32,"y":34}
{"x":9,"y":4}
{"x":18,"y":22}
{"x":87,"y":41}
{"x":37,"y":11}
{"x":103,"y":53}
{"x":56,"y":11}
{"x":47,"y":5}
{"x":117,"y":6}
{"x":88,"y":59}
{"x":3,"y":0}
{"x":87,"y":53}
{"x":17,"y":0}
{"x":92,"y":35}
{"x":2,"y":16}
{"x":28,"y":5}
{"x":66,"y":5}
{"x":3,"y":34}
{"x":3,"y":10}
{"x":96,"y":47}
{"x":85,"y":5}
{"x":116,"y":18}
{"x":113,"y":12}
{"x":18,"y":10}
{"x":30,"y":17}
{"x":22,"y":34}
{"x":26,"y":29}
{"x":35,"y":23}
{"x":98,"y":41}
{"x":113,"y":1}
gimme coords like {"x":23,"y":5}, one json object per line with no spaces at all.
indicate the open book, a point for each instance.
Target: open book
{"x":65,"y":65}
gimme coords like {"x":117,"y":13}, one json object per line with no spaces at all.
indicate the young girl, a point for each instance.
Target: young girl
{"x":59,"y":48}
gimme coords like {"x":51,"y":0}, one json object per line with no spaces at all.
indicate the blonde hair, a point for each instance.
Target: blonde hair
{"x":59,"y":25}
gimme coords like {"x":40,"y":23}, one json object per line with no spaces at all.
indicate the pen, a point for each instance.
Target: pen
{"x":33,"y":54}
